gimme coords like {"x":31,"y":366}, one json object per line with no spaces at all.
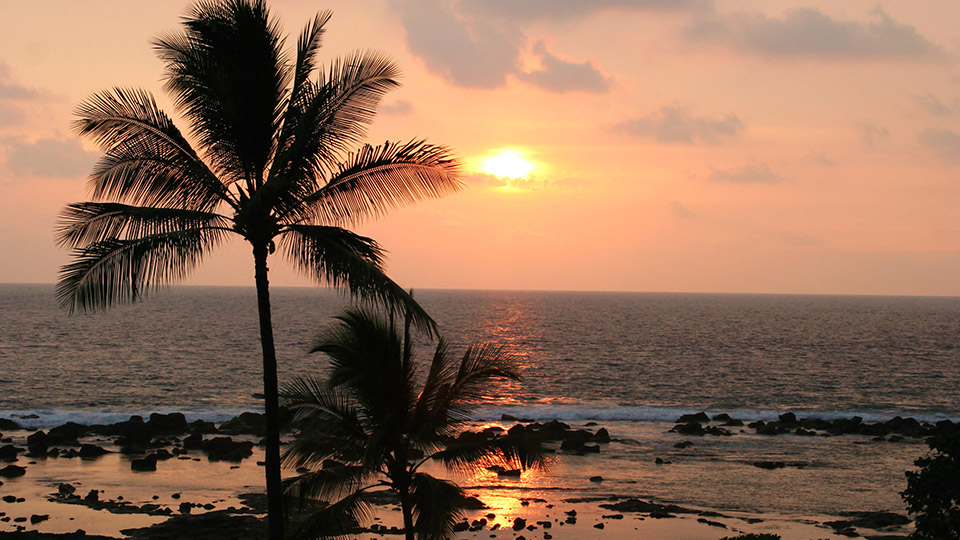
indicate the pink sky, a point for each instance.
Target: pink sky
{"x":680,"y":145}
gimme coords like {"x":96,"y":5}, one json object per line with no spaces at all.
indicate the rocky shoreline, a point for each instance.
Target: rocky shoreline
{"x":148,"y":443}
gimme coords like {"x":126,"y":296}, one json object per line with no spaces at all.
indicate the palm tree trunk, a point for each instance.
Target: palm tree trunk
{"x":407,"y":513}
{"x":270,"y":397}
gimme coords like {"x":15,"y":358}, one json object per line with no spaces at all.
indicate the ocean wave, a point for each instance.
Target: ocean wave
{"x":608,"y":413}
{"x":47,"y":418}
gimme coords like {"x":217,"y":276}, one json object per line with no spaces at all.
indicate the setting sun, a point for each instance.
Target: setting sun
{"x":507,"y":164}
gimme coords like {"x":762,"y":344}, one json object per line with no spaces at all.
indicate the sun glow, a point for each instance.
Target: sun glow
{"x":507,"y":164}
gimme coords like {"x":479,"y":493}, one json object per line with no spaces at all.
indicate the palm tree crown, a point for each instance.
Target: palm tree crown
{"x":272,"y":157}
{"x":375,"y":421}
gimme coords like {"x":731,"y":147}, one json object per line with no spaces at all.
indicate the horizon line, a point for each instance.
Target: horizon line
{"x":581,"y":291}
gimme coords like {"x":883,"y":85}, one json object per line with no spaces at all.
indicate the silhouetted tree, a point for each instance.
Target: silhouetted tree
{"x":375,"y":421}
{"x":271,"y":158}
{"x":933,"y":492}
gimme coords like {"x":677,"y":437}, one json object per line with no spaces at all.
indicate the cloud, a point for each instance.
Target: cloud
{"x":473,"y":53}
{"x":681,"y":211}
{"x":556,"y":75}
{"x":469,"y":48}
{"x":944,"y":142}
{"x":934,"y":106}
{"x":872,"y":135}
{"x":47,"y":158}
{"x":397,"y":108}
{"x":749,"y":174}
{"x":674,"y":124}
{"x":538,"y":10}
{"x":807,"y":32}
{"x":13,"y":96}
{"x":820,"y":159}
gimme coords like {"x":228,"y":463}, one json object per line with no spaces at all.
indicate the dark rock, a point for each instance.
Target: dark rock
{"x":66,"y":435}
{"x":9,"y":499}
{"x":193,"y":442}
{"x":9,"y":452}
{"x":788,"y":418}
{"x":93,"y":496}
{"x":733,"y":422}
{"x":167,"y":424}
{"x":722,"y":417}
{"x":38,"y":518}
{"x":598,"y":525}
{"x":9,"y":425}
{"x":869,"y":520}
{"x":590,"y":449}
{"x":689,"y":428}
{"x":612,"y":516}
{"x":519,"y":523}
{"x":226,"y":449}
{"x":769,"y":465}
{"x":461,"y":526}
{"x":148,"y":463}
{"x":571,"y":444}
{"x":711,"y":523}
{"x":185,"y":507}
{"x":700,"y":417}
{"x":90,"y":451}
{"x":66,"y":489}
{"x":602,"y":436}
{"x":247,"y":423}
{"x":596,"y":479}
{"x":511,"y":472}
{"x":12,"y":471}
{"x":683,"y":444}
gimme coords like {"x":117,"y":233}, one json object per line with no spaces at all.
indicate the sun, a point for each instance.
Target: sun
{"x":507,"y":164}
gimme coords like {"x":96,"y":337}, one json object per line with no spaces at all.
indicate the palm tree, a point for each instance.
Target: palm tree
{"x":275,"y":161}
{"x":375,"y":421}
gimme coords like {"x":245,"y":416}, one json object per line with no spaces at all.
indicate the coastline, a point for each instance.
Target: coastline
{"x":619,"y":492}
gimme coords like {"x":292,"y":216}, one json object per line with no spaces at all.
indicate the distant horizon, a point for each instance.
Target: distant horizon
{"x":585,"y":291}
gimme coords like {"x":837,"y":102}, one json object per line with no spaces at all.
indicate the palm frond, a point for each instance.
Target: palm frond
{"x":147,"y":160}
{"x":90,"y":222}
{"x":228,"y":74}
{"x":324,"y":121}
{"x":113,"y":270}
{"x":376,"y":178}
{"x":366,"y":361}
{"x":338,"y":519}
{"x":307,"y":47}
{"x":343,"y":259}
{"x":328,"y":425}
{"x":437,"y":506}
{"x":471,"y":451}
{"x":326,"y":484}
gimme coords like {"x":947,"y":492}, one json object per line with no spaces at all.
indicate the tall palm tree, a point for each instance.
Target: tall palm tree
{"x":375,"y":421}
{"x":272,"y":157}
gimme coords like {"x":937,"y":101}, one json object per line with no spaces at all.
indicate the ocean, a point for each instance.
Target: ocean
{"x":632,"y":362}
{"x":583,"y":355}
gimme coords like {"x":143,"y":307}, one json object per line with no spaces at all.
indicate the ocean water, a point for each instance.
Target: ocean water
{"x":631,"y":362}
{"x":584,"y":356}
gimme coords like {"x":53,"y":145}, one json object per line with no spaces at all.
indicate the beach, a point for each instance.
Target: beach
{"x":613,"y":488}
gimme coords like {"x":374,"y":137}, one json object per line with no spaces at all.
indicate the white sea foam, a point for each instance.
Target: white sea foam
{"x":601,"y":412}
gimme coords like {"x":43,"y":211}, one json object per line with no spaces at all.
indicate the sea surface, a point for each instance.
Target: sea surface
{"x":631,"y":361}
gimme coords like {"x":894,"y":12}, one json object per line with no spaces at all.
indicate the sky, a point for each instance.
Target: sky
{"x":669,"y":145}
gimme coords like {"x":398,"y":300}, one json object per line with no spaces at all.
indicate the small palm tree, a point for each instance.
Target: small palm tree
{"x":273,"y":162}
{"x":375,"y":421}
